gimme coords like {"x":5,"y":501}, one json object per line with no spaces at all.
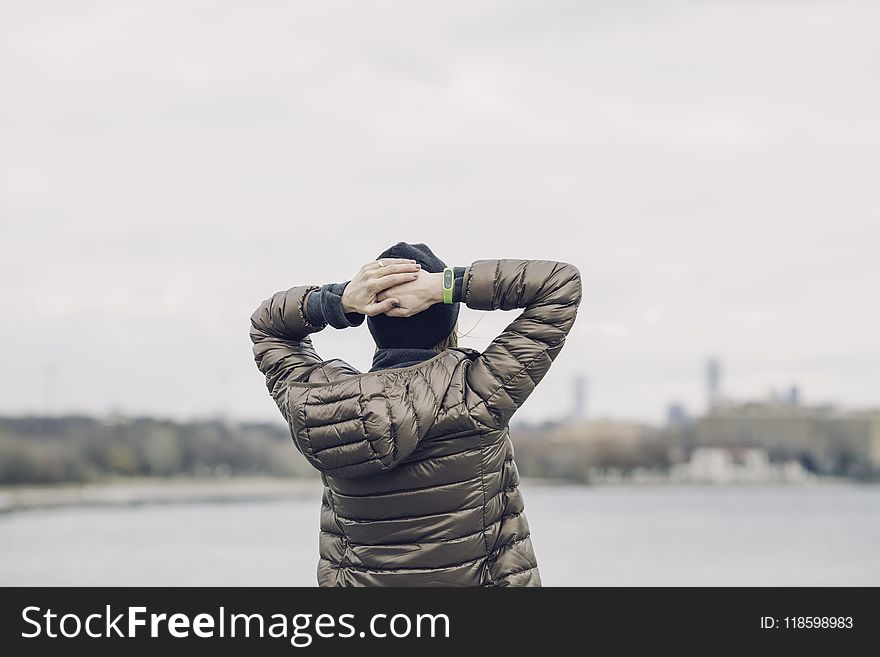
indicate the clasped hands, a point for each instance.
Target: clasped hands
{"x":398,"y":287}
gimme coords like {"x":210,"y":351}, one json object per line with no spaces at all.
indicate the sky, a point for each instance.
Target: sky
{"x":712,"y":168}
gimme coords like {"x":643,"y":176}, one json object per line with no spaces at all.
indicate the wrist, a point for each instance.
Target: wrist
{"x":448,"y":284}
{"x":458,"y":292}
{"x":347,"y":306}
{"x":437,"y":287}
{"x":324,"y":306}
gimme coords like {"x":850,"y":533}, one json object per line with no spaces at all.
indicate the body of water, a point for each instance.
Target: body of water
{"x":822,"y":535}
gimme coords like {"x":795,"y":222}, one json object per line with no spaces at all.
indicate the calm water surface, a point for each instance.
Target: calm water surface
{"x":775,"y":536}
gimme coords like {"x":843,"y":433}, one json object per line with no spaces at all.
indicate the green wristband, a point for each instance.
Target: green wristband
{"x":448,"y":284}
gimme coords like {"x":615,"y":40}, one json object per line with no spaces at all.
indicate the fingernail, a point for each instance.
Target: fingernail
{"x":418,"y":265}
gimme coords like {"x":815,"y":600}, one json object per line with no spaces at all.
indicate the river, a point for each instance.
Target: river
{"x":821,"y":535}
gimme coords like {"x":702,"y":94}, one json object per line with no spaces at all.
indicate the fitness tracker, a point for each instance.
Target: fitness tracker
{"x":448,"y":284}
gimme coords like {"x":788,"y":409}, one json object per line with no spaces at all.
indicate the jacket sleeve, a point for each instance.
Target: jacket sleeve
{"x":505,"y":374}
{"x":324,"y":306}
{"x":280,"y":329}
{"x":279,"y":332}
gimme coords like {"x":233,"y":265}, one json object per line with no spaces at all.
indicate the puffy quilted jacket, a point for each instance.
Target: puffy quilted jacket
{"x":420,"y":486}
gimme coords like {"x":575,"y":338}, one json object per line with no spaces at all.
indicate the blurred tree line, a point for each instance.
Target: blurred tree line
{"x":571,"y":452}
{"x":80,"y":449}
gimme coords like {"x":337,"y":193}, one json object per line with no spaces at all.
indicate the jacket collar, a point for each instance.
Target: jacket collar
{"x":399,"y":357}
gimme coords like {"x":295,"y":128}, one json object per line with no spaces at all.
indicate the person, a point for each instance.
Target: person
{"x":420,"y":484}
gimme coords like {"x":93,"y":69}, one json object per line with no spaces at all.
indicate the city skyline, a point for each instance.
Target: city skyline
{"x":675,"y":412}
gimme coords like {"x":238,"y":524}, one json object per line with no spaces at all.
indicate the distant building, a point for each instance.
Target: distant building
{"x":618,"y":432}
{"x":677,"y":416}
{"x":791,"y":396}
{"x":719,"y":465}
{"x":713,"y":383}
{"x":833,"y":441}
{"x":579,"y":398}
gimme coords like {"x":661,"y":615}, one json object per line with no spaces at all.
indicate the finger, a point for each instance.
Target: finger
{"x":381,"y":307}
{"x":386,"y":270}
{"x":394,"y":261}
{"x":400,"y":311}
{"x":387,"y":293}
{"x":384,"y":282}
{"x":385,"y":262}
{"x":375,"y":264}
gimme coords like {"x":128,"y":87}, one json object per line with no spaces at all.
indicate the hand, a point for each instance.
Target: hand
{"x":415,"y":295}
{"x":360,"y":295}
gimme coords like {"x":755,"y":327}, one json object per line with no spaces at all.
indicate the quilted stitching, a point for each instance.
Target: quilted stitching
{"x":417,"y":462}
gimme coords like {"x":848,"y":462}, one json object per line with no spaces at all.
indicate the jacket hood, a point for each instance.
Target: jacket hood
{"x":368,"y":423}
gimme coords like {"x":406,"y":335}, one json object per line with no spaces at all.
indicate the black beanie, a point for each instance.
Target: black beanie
{"x":425,"y":329}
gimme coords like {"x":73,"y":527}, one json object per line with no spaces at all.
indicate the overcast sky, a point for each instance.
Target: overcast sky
{"x":713,"y":169}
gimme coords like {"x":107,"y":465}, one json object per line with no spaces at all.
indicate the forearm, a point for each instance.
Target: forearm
{"x":458,"y":281}
{"x":279,"y":331}
{"x":552,"y":289}
{"x":508,"y":370}
{"x":435,"y":290}
{"x":324,"y":306}
{"x":283,"y":316}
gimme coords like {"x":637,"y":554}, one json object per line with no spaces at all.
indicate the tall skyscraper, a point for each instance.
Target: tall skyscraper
{"x":713,"y":383}
{"x":579,"y":398}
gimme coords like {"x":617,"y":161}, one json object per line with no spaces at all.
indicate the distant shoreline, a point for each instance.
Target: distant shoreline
{"x":154,"y":490}
{"x":123,"y":492}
